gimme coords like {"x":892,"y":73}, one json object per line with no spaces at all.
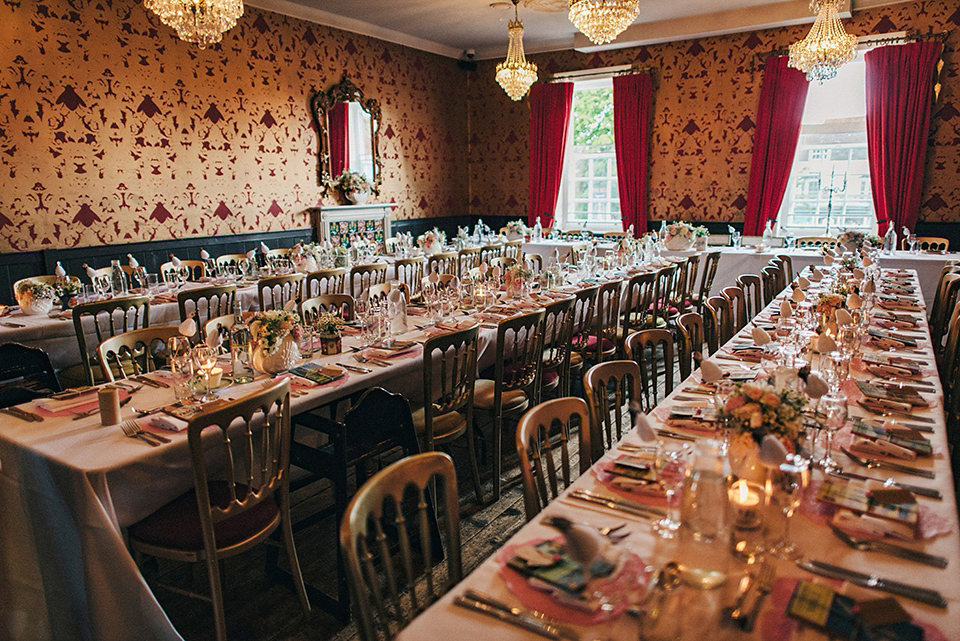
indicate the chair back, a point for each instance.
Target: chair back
{"x":770,"y":277}
{"x":275,"y":292}
{"x":816,"y":241}
{"x":340,"y":304}
{"x":196,"y":269}
{"x":691,"y":343}
{"x":519,"y":355}
{"x":232,"y":260}
{"x":606,"y":319}
{"x":653,"y":350}
{"x":325,"y":281}
{"x":489,"y":252}
{"x":363,"y":276}
{"x":409,"y":271}
{"x":738,"y":307}
{"x":707,"y":276}
{"x":443,"y":281}
{"x":557,"y":344}
{"x":206,"y":302}
{"x":467,"y":258}
{"x":282,"y":252}
{"x":928,"y":244}
{"x":781,"y":275}
{"x":534,"y":262}
{"x":513,"y":249}
{"x":135,"y":352}
{"x":610,"y":388}
{"x":385,"y":579}
{"x":949,"y":362}
{"x":378,"y":293}
{"x":584,"y":323}
{"x":949,"y":292}
{"x":638,"y":301}
{"x":543,"y":437}
{"x":676,"y":299}
{"x":690,"y":296}
{"x":449,"y":373}
{"x":717,"y":322}
{"x":787,"y":268}
{"x":221,"y":325}
{"x":752,"y":289}
{"x":614,"y":235}
{"x":107,"y":318}
{"x":503,"y":262}
{"x":25,"y":373}
{"x":442,"y":263}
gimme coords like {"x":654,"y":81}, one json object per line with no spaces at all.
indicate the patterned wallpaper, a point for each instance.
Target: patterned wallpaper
{"x":112,"y":130}
{"x":705,"y":103}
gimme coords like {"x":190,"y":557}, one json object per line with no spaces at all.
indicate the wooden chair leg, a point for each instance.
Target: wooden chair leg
{"x":474,"y":469}
{"x":216,"y":597}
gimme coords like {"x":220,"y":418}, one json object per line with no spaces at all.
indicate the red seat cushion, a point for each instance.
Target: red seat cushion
{"x":592,"y":343}
{"x":177,"y":524}
{"x":549,"y":377}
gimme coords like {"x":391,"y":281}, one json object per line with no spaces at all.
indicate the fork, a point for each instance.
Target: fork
{"x":365,"y":360}
{"x":132,"y":430}
{"x":896,"y":467}
{"x":866,"y":545}
{"x":765,"y":580}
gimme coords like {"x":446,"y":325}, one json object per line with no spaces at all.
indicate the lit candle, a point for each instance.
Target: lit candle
{"x":216,"y":374}
{"x":745,"y":499}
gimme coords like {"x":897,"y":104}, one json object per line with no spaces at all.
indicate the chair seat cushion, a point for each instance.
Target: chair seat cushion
{"x":549,"y":377}
{"x":483,"y":393}
{"x":445,"y":426}
{"x":177,"y":524}
{"x":608,"y":345}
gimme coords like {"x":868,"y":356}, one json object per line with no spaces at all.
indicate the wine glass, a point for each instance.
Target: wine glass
{"x":205,"y":358}
{"x":672,"y":460}
{"x":912,"y":241}
{"x":832,"y":415}
{"x":786,"y":486}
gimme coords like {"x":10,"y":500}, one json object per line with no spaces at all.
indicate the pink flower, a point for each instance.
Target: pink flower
{"x":735,"y":402}
{"x":770,"y":399}
{"x":753,"y":393}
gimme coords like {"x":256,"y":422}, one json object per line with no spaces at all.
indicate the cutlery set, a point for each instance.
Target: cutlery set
{"x":923,"y":595}
{"x":617,"y":504}
{"x":22,"y":414}
{"x":761,"y":586}
{"x":870,"y":545}
{"x":132,"y":430}
{"x":529,"y":620}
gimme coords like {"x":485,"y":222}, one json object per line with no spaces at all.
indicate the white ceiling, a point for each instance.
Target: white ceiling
{"x":449,"y":27}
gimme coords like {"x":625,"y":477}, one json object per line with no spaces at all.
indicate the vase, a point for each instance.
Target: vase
{"x":700,"y":243}
{"x":36,"y":306}
{"x":68,"y":302}
{"x":745,"y":459}
{"x":283,"y":356}
{"x":431,"y":248}
{"x":358,"y":197}
{"x":678,"y":243}
{"x":514,"y":235}
{"x":330,"y":344}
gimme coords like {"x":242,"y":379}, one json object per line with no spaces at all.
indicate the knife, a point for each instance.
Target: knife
{"x":532,"y":626}
{"x":533,"y":616}
{"x":353,"y":368}
{"x":892,"y":412}
{"x":619,"y":505}
{"x":868,"y":545}
{"x":675,"y":435}
{"x":923,"y":595}
{"x":896,"y":467}
{"x":16,"y":412}
{"x":915,"y":489}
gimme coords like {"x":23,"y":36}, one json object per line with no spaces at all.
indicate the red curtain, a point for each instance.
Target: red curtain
{"x":899,"y":81}
{"x":783,"y":95}
{"x":550,"y":106}
{"x":632,"y":96}
{"x":339,"y":123}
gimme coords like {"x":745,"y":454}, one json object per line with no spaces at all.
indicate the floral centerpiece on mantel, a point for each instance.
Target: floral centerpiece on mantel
{"x":276,"y":335}
{"x":431,"y":241}
{"x":35,"y":297}
{"x":515,"y":229}
{"x":857,"y":239}
{"x":354,"y":186}
{"x":678,"y":236}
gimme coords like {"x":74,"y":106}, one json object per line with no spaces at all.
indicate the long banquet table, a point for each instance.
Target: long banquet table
{"x":700,"y":618}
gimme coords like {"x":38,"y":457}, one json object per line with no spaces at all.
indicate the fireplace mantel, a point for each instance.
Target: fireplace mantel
{"x":338,"y":222}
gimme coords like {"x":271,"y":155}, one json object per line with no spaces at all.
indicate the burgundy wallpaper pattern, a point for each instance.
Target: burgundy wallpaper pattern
{"x":113,"y":130}
{"x":705,"y":95}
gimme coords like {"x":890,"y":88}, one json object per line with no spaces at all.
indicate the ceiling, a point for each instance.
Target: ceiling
{"x":451,"y":27}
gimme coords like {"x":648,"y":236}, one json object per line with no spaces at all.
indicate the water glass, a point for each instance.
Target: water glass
{"x":153,"y":284}
{"x":832,"y":415}
{"x":205,"y":359}
{"x":181,"y":368}
{"x":786,"y":487}
{"x":912,"y":241}
{"x":673,"y":461}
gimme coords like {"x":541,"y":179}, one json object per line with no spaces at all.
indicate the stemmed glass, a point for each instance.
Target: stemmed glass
{"x":912,"y":241}
{"x":786,"y":486}
{"x":832,"y":415}
{"x":673,"y":460}
{"x":205,"y":358}
{"x":183,"y":273}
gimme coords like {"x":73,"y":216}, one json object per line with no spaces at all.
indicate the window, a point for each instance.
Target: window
{"x":589,"y":195}
{"x":829,"y":187}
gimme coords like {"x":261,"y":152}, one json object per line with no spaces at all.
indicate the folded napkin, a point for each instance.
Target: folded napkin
{"x":844,"y":317}
{"x":760,"y":336}
{"x":815,"y":387}
{"x":825,"y":344}
{"x":803,"y":283}
{"x":865,"y":525}
{"x":786,"y":309}
{"x":854,"y":301}
{"x":710,"y":372}
{"x":162,"y":422}
{"x":642,"y":424}
{"x":798,"y":296}
{"x":880,"y":447}
{"x":816,"y":276}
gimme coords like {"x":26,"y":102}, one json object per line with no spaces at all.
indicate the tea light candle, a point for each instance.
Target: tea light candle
{"x":216,"y":375}
{"x":745,"y":499}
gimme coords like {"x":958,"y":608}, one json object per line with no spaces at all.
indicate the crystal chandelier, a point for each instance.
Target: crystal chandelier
{"x":515,"y":74}
{"x":826,"y":47}
{"x":199,"y":21}
{"x":603,"y":20}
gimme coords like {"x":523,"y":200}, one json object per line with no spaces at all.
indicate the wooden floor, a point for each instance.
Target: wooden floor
{"x":260,"y":610}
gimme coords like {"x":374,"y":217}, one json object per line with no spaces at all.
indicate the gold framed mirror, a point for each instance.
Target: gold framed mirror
{"x":348,"y":131}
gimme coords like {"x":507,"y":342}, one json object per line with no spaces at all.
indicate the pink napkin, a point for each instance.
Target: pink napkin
{"x":80,"y":405}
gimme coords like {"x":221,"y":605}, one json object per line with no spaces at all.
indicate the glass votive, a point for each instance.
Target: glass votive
{"x":181,"y":367}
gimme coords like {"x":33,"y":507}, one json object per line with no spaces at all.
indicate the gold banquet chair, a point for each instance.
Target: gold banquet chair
{"x":138,"y":351}
{"x":389,"y":549}
{"x":222,"y":518}
{"x":610,"y":388}
{"x":107,"y":318}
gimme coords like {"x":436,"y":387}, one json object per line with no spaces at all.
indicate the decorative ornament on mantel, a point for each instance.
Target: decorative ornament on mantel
{"x":603,"y":20}
{"x":202,"y":22}
{"x":826,"y":47}
{"x":515,"y":74}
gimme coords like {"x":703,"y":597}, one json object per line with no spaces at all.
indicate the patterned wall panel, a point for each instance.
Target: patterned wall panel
{"x":705,"y":96}
{"x":113,"y":130}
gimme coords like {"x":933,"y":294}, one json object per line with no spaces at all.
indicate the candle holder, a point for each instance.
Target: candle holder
{"x":746,"y":504}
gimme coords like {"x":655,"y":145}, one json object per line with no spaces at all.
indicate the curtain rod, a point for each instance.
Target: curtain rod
{"x":618,"y":70}
{"x":869,"y":44}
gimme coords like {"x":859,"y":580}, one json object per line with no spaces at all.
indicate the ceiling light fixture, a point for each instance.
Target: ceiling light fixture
{"x":826,"y":47}
{"x":603,"y":20}
{"x":202,"y":22}
{"x":515,"y":74}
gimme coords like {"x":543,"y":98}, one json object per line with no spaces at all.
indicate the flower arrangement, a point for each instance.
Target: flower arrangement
{"x":829,"y":303}
{"x":859,"y":239}
{"x":700,"y":231}
{"x":850,"y":262}
{"x":68,"y":287}
{"x":268,"y":329}
{"x":329,"y":323}
{"x":678,"y":230}
{"x":517,"y":228}
{"x":31,"y":290}
{"x":430,"y":237}
{"x":352,"y":181}
{"x":518,"y":271}
{"x":760,"y":409}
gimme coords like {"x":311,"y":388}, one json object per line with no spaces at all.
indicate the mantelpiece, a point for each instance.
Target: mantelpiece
{"x":337,"y":223}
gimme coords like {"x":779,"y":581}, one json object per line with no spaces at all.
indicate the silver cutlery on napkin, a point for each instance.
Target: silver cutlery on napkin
{"x":869,"y":545}
{"x":923,"y":595}
{"x":533,"y":616}
{"x":617,"y":504}
{"x":132,"y":430}
{"x":531,"y":625}
{"x":354,"y":368}
{"x":915,"y":489}
{"x":896,"y":467}
{"x":22,"y":414}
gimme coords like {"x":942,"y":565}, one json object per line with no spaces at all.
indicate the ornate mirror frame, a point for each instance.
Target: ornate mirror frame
{"x":320,"y":104}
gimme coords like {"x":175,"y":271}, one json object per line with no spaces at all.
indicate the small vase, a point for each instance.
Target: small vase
{"x":68,"y":302}
{"x":36,"y":306}
{"x":700,"y":243}
{"x":330,"y":344}
{"x":745,"y":459}
{"x":284,"y":356}
{"x":678,"y":243}
{"x":358,"y":197}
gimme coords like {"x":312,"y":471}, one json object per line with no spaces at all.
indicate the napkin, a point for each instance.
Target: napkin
{"x":133,"y":261}
{"x":844,"y":317}
{"x":290,"y":305}
{"x":816,"y":276}
{"x":772,"y":452}
{"x":858,"y":274}
{"x":91,"y":272}
{"x":870,"y":526}
{"x":816,"y":387}
{"x":162,"y":422}
{"x":264,"y":248}
{"x":252,"y":254}
{"x":188,"y":327}
{"x":204,"y":254}
{"x":213,"y":338}
{"x":60,"y":271}
{"x":798,"y":296}
{"x":867,"y":261}
{"x":880,"y":447}
{"x":854,"y":301}
{"x":175,"y":261}
{"x":828,"y":259}
{"x":869,"y":287}
{"x":825,"y":344}
{"x":803,"y":283}
{"x":710,"y":372}
{"x":760,"y":335}
{"x":642,"y":424}
{"x":786,"y":310}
